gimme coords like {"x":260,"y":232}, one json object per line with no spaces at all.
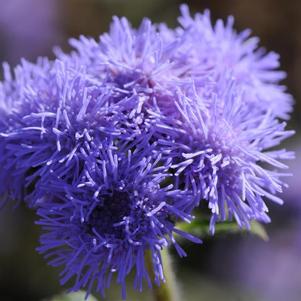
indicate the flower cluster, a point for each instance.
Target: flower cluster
{"x":117,"y":141}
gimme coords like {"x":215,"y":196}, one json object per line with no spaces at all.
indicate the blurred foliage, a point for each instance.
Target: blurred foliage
{"x":200,"y":228}
{"x":79,"y":296}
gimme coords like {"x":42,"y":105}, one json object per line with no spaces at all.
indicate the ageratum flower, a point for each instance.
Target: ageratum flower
{"x":196,"y":51}
{"x":51,"y":114}
{"x":102,"y":224}
{"x":39,"y":132}
{"x":210,"y":50}
{"x":231,"y":92}
{"x":79,"y":150}
{"x":128,"y":56}
{"x":116,"y":141}
{"x":222,"y":153}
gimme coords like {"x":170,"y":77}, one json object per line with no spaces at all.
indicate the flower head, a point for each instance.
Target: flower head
{"x":103,"y":223}
{"x":220,"y":153}
{"x":83,"y":153}
{"x":52,"y":114}
{"x":217,"y":49}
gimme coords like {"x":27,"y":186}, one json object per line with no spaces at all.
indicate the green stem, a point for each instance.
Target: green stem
{"x":166,"y":291}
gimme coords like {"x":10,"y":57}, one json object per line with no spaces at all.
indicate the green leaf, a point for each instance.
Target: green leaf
{"x":200,"y":227}
{"x":259,"y":230}
{"x":78,"y":296}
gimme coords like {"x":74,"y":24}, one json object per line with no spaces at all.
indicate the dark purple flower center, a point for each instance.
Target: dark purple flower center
{"x":112,"y":210}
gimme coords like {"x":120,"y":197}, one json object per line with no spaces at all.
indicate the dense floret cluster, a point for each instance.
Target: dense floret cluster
{"x":114,"y":143}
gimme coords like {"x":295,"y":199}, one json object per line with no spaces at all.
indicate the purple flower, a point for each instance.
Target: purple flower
{"x":81,"y":151}
{"x":221,"y":153}
{"x":196,"y":51}
{"x":51,"y":114}
{"x":214,"y":49}
{"x":103,"y":223}
{"x":217,"y":100}
{"x":117,"y":141}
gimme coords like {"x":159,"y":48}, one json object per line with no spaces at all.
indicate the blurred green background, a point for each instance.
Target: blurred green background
{"x":227,"y":268}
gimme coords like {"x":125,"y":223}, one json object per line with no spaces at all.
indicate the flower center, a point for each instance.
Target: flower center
{"x":107,"y":216}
